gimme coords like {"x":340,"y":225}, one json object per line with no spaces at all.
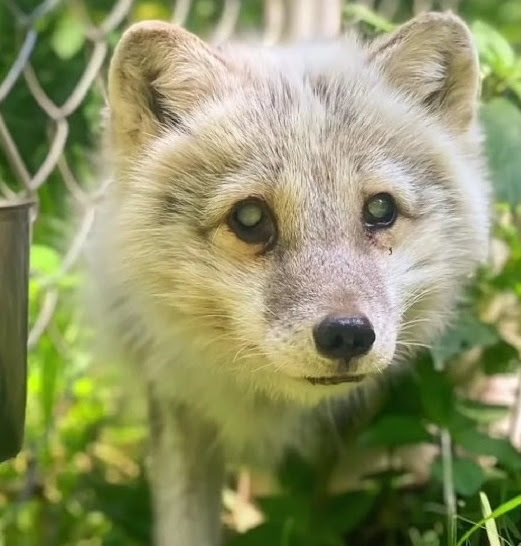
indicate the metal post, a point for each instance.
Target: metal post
{"x":14,"y":279}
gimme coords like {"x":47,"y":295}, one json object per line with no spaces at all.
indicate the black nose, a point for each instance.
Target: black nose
{"x":344,"y":337}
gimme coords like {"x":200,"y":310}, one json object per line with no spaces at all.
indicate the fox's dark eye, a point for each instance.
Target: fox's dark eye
{"x":380,"y":211}
{"x":252,"y":221}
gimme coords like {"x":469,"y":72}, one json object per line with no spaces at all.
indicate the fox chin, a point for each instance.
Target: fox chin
{"x":282,"y":226}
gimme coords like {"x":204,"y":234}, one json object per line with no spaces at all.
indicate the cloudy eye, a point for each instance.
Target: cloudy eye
{"x":380,"y":211}
{"x":252,"y":222}
{"x":248,"y":215}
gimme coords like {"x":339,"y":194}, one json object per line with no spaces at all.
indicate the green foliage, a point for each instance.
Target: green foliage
{"x":81,"y":478}
{"x":502,"y":121}
{"x":68,"y":36}
{"x":506,"y":507}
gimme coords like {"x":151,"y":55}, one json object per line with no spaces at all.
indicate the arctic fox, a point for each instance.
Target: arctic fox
{"x":282,"y":225}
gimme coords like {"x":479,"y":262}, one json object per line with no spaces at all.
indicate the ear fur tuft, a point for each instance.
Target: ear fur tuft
{"x":157,"y":75}
{"x":432,"y":58}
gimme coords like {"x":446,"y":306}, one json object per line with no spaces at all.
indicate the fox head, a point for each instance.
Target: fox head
{"x":304,"y":216}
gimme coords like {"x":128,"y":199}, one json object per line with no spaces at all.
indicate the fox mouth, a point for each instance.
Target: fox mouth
{"x":336,"y":379}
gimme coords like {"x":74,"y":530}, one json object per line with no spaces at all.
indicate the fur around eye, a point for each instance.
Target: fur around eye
{"x":252,"y":222}
{"x":380,"y":211}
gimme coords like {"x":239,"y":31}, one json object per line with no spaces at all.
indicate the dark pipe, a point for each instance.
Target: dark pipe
{"x":14,"y":279}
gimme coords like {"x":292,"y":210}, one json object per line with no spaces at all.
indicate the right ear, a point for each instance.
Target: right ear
{"x":157,"y":75}
{"x":433,"y":59}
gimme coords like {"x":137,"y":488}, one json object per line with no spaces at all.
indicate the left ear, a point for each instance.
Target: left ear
{"x":432,"y":58}
{"x":158,"y":75}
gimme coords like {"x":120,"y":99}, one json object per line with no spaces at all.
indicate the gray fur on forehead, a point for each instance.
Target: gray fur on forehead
{"x":310,"y":129}
{"x":328,"y":102}
{"x":317,"y":121}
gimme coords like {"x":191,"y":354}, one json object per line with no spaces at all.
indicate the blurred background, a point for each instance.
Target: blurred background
{"x":80,"y":477}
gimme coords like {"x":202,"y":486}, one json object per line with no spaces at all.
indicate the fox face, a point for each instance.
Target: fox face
{"x":304,"y":217}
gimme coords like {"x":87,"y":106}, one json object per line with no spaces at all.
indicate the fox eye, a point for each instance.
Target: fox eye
{"x":380,"y":211}
{"x":252,"y":222}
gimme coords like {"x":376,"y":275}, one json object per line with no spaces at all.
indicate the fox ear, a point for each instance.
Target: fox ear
{"x":432,"y":58}
{"x":157,"y":75}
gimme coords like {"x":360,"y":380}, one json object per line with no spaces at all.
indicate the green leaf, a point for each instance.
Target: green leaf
{"x":437,"y":394}
{"x":121,"y":502}
{"x":150,"y":10}
{"x":502,"y":123}
{"x":402,"y":393}
{"x":494,"y":50}
{"x":44,"y":260}
{"x":68,"y":36}
{"x":278,"y":508}
{"x":395,"y":430}
{"x":296,"y":474}
{"x":361,"y":13}
{"x":50,"y":363}
{"x":500,"y":358}
{"x":480,"y":412}
{"x":468,"y":332}
{"x":346,"y":511}
{"x":481,"y":444}
{"x":515,"y":85}
{"x":468,"y":475}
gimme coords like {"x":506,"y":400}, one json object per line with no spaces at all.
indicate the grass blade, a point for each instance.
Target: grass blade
{"x":506,"y":507}
{"x":492,"y":534}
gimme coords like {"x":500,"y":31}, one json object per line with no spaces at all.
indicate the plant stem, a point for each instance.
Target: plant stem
{"x":448,"y":485}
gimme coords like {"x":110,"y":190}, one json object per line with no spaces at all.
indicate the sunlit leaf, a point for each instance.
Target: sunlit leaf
{"x":44,"y":259}
{"x":361,"y":13}
{"x":150,"y":10}
{"x":493,"y":48}
{"x":480,"y":412}
{"x":68,"y":36}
